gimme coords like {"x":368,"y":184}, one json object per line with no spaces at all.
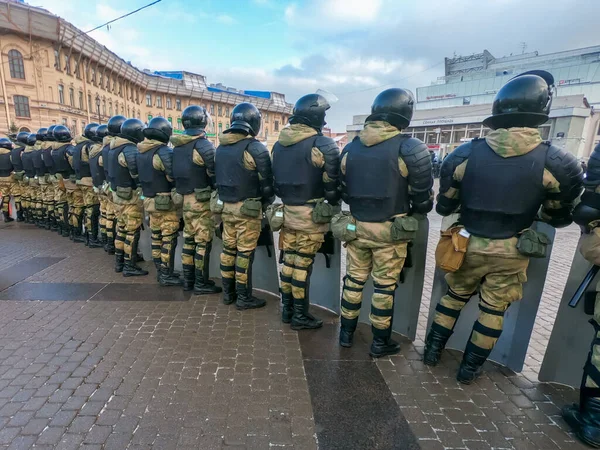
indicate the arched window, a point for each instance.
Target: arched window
{"x":15,"y":62}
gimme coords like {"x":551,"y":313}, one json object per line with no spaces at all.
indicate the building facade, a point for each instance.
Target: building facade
{"x":53,"y":73}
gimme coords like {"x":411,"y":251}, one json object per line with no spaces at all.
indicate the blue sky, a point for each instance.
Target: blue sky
{"x":353,"y":48}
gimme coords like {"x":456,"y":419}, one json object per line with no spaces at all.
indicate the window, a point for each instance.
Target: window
{"x":159,"y":101}
{"x":179,"y":123}
{"x":56,"y":59}
{"x":227,"y":112}
{"x":21,"y":106}
{"x":77,"y":70}
{"x":103,"y":107}
{"x":178,"y":104}
{"x":101,"y":82}
{"x":212,"y":110}
{"x":68,"y":64}
{"x":266,"y":117}
{"x":72,"y":97}
{"x":15,"y":62}
{"x":61,"y":94}
{"x":80,"y":100}
{"x":74,"y":126}
{"x":110,"y":110}
{"x":169,"y":103}
{"x":220,"y":109}
{"x":149,"y":117}
{"x":277,"y":125}
{"x":65,"y":121}
{"x":90,"y":103}
{"x":94,"y":76}
{"x":108,"y":83}
{"x":148,"y":99}
{"x":82,"y":125}
{"x":220,"y":127}
{"x":120,"y":89}
{"x":170,"y":119}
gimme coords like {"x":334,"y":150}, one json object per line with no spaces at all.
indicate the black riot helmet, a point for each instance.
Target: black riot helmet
{"x":194,"y":119}
{"x":310,"y":110}
{"x":62,"y":134}
{"x":245,"y":117}
{"x":133,"y":130}
{"x":22,"y":137}
{"x":41,"y":134}
{"x":50,"y":133}
{"x":394,"y":106}
{"x":31,"y":139}
{"x":159,"y":129}
{"x":114,"y":125}
{"x":6,"y":143}
{"x":524,"y":101}
{"x":101,"y":132}
{"x":90,"y":130}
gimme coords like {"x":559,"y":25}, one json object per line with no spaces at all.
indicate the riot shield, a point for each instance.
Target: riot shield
{"x":407,"y":299}
{"x":511,"y":348}
{"x":571,"y":335}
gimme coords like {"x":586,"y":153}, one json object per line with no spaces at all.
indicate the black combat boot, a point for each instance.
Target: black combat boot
{"x":48,"y":222}
{"x":585,"y":420}
{"x":229,"y":293}
{"x":472,"y":363}
{"x":245,"y":299}
{"x":167,"y":275}
{"x":93,"y":241}
{"x":77,"y":230}
{"x":347,"y":329}
{"x":203,"y":284}
{"x":189,"y":277}
{"x":119,"y":260}
{"x":53,"y":221}
{"x":19,"y":209}
{"x":41,"y":223}
{"x":110,"y":241}
{"x":434,"y":344}
{"x":103,"y":240}
{"x":383,"y":344}
{"x":7,"y":217}
{"x":130,"y":268}
{"x":287,"y":307}
{"x":302,"y":319}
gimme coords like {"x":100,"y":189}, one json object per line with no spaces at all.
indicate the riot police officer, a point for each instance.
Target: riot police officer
{"x":63,"y":171}
{"x":99,"y":177}
{"x":584,"y":418}
{"x":49,"y":200}
{"x":498,"y":185}
{"x":93,"y":214}
{"x":194,"y":173}
{"x":245,"y":186}
{"x":29,"y":192}
{"x":18,"y":187}
{"x":385,"y":176}
{"x":305,"y":172}
{"x":7,"y":179}
{"x":155,"y":169}
{"x":114,"y":128}
{"x":81,"y":165}
{"x":123,"y":173}
{"x":40,"y":183}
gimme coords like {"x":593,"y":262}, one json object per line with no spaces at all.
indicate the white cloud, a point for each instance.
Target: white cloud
{"x":351,"y":11}
{"x":225,"y":19}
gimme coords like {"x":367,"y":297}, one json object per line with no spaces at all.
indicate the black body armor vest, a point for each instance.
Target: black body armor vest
{"x":48,"y":161}
{"x":234,"y":182}
{"x":153,"y":181}
{"x":105,"y":153}
{"x":96,"y":170}
{"x":189,"y":176}
{"x":501,"y":196}
{"x":6,"y":166}
{"x":27,"y":158}
{"x":15,"y":158}
{"x":82,"y":168}
{"x":296,"y":179}
{"x":38,"y":163}
{"x":376,"y":189}
{"x":119,"y":175}
{"x":61,"y":163}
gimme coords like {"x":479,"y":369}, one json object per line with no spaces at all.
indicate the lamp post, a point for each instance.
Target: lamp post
{"x":98,"y":108}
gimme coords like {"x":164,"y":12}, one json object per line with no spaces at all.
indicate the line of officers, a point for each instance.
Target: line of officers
{"x":495,"y":188}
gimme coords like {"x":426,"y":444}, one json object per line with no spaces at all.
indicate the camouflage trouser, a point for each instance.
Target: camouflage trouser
{"x":240,"y":237}
{"x":46,"y":198}
{"x":75,"y":202}
{"x":102,"y":198}
{"x":36,"y":198}
{"x":384,"y":261}
{"x":129,"y":223}
{"x":8,"y":185}
{"x":110,"y":218}
{"x":299,"y":250}
{"x":500,"y":282}
{"x":164,"y":226}
{"x":25,"y":193}
{"x":197,"y":231}
{"x":60,"y":200}
{"x":90,"y":203}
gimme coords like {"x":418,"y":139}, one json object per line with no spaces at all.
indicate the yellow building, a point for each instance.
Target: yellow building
{"x":53,"y":73}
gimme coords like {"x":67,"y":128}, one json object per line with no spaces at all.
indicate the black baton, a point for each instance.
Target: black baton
{"x":583,"y":286}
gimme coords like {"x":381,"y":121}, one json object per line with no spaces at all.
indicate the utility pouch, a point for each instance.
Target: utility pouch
{"x":404,"y":228}
{"x":19,"y":176}
{"x":126,"y":193}
{"x":322,"y":212}
{"x":533,"y":244}
{"x":251,"y":207}
{"x":589,"y":302}
{"x":452,"y":248}
{"x":73,"y":178}
{"x":216,"y":204}
{"x":275,"y":216}
{"x":203,"y":194}
{"x":163,"y":203}
{"x":343,"y":226}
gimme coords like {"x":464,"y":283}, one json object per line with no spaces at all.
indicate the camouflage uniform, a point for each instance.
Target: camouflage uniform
{"x":7,"y":180}
{"x":75,"y":200}
{"x":28,"y":194}
{"x":374,"y":251}
{"x":493,"y":266}
{"x":51,"y":181}
{"x":90,"y":198}
{"x":19,"y":186}
{"x":108,"y":218}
